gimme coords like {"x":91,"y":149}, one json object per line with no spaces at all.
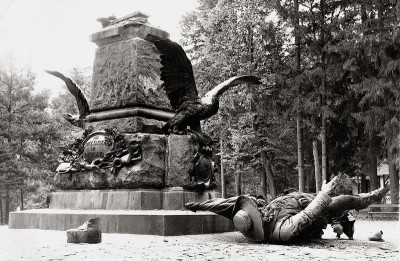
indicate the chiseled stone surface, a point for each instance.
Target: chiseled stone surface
{"x":127,"y":73}
{"x":181,"y":151}
{"x":149,"y":172}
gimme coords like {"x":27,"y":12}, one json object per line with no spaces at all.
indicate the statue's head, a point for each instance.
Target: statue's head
{"x":247,"y":218}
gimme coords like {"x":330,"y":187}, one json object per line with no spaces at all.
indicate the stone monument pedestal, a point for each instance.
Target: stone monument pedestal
{"x":124,"y":170}
{"x":136,"y":211}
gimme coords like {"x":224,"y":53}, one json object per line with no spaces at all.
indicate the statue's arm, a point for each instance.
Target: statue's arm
{"x":288,"y":228}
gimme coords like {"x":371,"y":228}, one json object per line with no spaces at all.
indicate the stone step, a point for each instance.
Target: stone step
{"x":147,"y":222}
{"x":133,"y":199}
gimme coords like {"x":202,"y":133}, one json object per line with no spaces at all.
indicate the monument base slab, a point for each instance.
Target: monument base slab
{"x":145,"y":222}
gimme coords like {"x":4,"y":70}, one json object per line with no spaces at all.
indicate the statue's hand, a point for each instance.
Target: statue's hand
{"x":328,"y":187}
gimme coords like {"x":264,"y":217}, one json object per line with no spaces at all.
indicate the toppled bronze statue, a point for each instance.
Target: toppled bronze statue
{"x":293,"y":217}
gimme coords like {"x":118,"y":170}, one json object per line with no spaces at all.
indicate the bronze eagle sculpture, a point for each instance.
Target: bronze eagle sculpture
{"x":179,"y":84}
{"x":80,"y":97}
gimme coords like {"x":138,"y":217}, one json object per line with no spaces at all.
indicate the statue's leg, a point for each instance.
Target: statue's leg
{"x":348,"y":202}
{"x":220,"y":206}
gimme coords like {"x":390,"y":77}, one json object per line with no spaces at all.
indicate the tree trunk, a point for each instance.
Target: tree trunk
{"x":22,"y":199}
{"x":324,"y":160}
{"x":394,"y":178}
{"x":317,"y":168}
{"x":300,"y":161}
{"x":363,"y":11}
{"x":300,"y":157}
{"x":323,"y":150}
{"x":223,"y":185}
{"x":308,"y":179}
{"x":324,"y":175}
{"x":264,"y":181}
{"x":1,"y":211}
{"x":7,"y":205}
{"x":238,"y":183}
{"x":269,"y":173}
{"x":372,"y":160}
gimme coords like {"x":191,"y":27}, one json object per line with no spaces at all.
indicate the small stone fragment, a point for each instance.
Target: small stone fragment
{"x":89,"y":232}
{"x":377,"y":236}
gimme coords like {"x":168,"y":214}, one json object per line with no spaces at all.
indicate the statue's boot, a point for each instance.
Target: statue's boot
{"x":220,"y":206}
{"x":348,"y":202}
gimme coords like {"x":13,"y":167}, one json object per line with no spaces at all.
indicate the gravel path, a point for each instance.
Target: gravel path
{"x":25,"y":244}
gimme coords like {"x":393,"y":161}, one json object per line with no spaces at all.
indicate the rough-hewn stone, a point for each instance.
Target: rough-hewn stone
{"x":150,"y":171}
{"x":181,"y":151}
{"x":127,"y":73}
{"x":89,"y":232}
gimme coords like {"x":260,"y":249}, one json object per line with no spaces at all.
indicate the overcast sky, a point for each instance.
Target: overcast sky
{"x":54,"y":34}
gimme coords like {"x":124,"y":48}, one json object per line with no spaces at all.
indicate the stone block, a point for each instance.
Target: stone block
{"x":176,"y":225}
{"x":196,"y":196}
{"x":181,"y":151}
{"x":81,"y":180}
{"x":222,"y":224}
{"x":127,"y":199}
{"x":149,"y":172}
{"x":173,"y":200}
{"x":89,"y":232}
{"x":151,"y":200}
{"x":127,"y":73}
{"x":156,"y":222}
{"x":117,"y":200}
{"x":80,"y":236}
{"x":208,"y":224}
{"x":63,"y":200}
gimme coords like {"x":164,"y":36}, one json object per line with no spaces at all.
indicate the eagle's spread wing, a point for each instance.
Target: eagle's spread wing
{"x":176,"y":73}
{"x":218,"y":90}
{"x":76,"y":91}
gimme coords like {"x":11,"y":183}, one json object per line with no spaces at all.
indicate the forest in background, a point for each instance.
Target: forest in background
{"x":330,"y":102}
